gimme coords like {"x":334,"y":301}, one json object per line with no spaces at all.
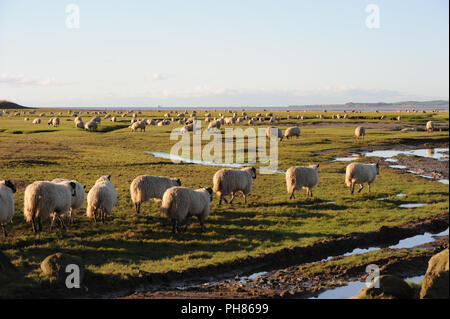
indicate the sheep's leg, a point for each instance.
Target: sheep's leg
{"x":102,"y":211}
{"x":245,"y":199}
{"x":33,"y":224}
{"x":233,"y":195}
{"x":352,"y":188}
{"x":62,"y":222}
{"x":5,"y":233}
{"x":202,"y":224}
{"x":138,"y":208}
{"x":95,"y":215}
{"x":187,"y":224}
{"x":369,"y":187}
{"x":362,"y":186}
{"x":53,"y":221}
{"x":292,"y":195}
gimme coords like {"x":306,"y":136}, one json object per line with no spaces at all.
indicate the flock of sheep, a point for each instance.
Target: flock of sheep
{"x":52,"y":199}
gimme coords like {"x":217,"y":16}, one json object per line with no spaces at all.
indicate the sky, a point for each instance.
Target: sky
{"x":211,"y":53}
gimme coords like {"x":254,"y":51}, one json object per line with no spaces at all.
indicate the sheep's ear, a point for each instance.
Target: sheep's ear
{"x":179,"y":181}
{"x":84,"y":186}
{"x":72,"y":184}
{"x":109,"y":177}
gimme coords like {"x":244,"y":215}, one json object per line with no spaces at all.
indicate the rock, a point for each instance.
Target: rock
{"x":436,"y":280}
{"x":389,"y":287}
{"x":55,"y":265}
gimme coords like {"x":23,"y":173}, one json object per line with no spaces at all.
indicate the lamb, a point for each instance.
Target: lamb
{"x":180,"y":203}
{"x":360,"y":131}
{"x":430,"y":126}
{"x":91,"y":126}
{"x":7,"y":189}
{"x":145,"y":187}
{"x":103,"y":197}
{"x":302,"y":177}
{"x":43,"y":199}
{"x":77,"y":200}
{"x":357,"y":173}
{"x":274,"y":131}
{"x":230,"y":181}
{"x":292,"y":131}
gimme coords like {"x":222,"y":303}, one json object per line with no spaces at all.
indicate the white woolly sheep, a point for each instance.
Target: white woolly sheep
{"x":79,"y":124}
{"x":138,"y":125}
{"x":77,"y":200}
{"x":360,"y":132}
{"x":430,"y":126}
{"x":146,"y":187}
{"x":302,"y":177}
{"x":43,"y":199}
{"x":101,"y":199}
{"x":292,"y":131}
{"x":37,"y":121}
{"x":357,"y":173}
{"x":7,"y":190}
{"x":230,"y":181}
{"x":214,"y":124}
{"x":54,"y":121}
{"x":274,"y":131}
{"x":91,"y":126}
{"x":180,"y":203}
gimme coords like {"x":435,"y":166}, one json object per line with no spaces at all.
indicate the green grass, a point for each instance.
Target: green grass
{"x":270,"y":221}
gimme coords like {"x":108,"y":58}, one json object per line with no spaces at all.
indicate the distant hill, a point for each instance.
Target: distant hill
{"x":437,"y":103}
{"x":10,"y":105}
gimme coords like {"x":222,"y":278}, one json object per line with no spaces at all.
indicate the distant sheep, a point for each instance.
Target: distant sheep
{"x":214,"y":124}
{"x":357,"y":173}
{"x":91,"y":126}
{"x":54,"y":121}
{"x":37,"y":121}
{"x":274,"y":131}
{"x":230,"y":181}
{"x":292,"y":131}
{"x":138,"y":125}
{"x":180,"y":203}
{"x":302,"y":177}
{"x":77,"y":200}
{"x":79,"y":124}
{"x":43,"y":199}
{"x":430,"y":126}
{"x":145,"y":187}
{"x":360,"y":132}
{"x":101,"y":199}
{"x":7,"y":190}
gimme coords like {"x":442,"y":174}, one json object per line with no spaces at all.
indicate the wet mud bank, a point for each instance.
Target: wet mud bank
{"x":158,"y":284}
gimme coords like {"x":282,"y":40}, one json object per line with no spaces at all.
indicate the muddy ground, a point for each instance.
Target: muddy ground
{"x":289,"y":282}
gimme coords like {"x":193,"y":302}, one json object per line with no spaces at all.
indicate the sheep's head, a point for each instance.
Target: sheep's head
{"x":253,"y":172}
{"x":178,"y":181}
{"x":377,"y":165}
{"x":316,"y":167}
{"x":9,"y":184}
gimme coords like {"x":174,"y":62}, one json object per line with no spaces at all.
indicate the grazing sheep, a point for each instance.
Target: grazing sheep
{"x":180,"y":203}
{"x":79,"y":124}
{"x":360,"y":131}
{"x":7,"y":189}
{"x":230,"y":120}
{"x":138,"y":125}
{"x":26,"y":119}
{"x":91,"y":126}
{"x":37,"y":121}
{"x":292,"y":131}
{"x":230,"y":181}
{"x":103,"y":197}
{"x":274,"y":131}
{"x":214,"y":124}
{"x":113,"y":119}
{"x":43,"y":199}
{"x":250,"y":122}
{"x":302,"y":177}
{"x":145,"y":187}
{"x":357,"y":173}
{"x":54,"y":121}
{"x":77,"y":200}
{"x":430,"y":126}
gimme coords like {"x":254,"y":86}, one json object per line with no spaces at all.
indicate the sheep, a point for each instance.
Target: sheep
{"x":140,"y":124}
{"x":43,"y":199}
{"x":91,"y":126}
{"x":77,"y":200}
{"x":54,"y":121}
{"x":180,"y":203}
{"x":79,"y":124}
{"x":145,"y":187}
{"x":26,"y":119}
{"x":37,"y":121}
{"x":274,"y":131}
{"x":302,"y":177}
{"x":113,"y":119}
{"x":102,"y":196}
{"x":7,"y":189}
{"x":430,"y":126}
{"x":357,"y":173}
{"x":360,"y":131}
{"x":230,"y":181}
{"x":250,"y":122}
{"x":214,"y":124}
{"x":292,"y":131}
{"x":230,"y":120}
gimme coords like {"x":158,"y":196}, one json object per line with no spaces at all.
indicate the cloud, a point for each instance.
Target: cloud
{"x":14,"y":79}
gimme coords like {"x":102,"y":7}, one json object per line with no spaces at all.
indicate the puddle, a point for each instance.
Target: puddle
{"x":397,"y":166}
{"x":343,"y":292}
{"x":252,"y":276}
{"x":415,"y":280}
{"x":437,"y":153}
{"x":177,"y":158}
{"x":443,"y":181}
{"x":413,"y":205}
{"x":418,"y":240}
{"x":343,"y":159}
{"x":400,"y":195}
